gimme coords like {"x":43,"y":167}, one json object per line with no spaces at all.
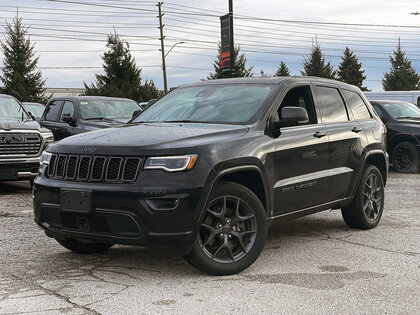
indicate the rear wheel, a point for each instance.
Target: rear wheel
{"x":405,"y":157}
{"x":83,"y":247}
{"x":233,"y":231}
{"x":366,"y":209}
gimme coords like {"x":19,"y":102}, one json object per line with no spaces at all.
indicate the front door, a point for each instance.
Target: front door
{"x":301,"y":158}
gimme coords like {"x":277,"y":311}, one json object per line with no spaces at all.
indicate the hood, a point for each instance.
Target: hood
{"x":100,"y":124}
{"x":147,"y":138}
{"x":8,"y":125}
{"x":409,"y":122}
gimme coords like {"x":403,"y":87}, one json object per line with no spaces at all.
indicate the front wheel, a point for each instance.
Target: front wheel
{"x":83,"y":247}
{"x":405,"y":157}
{"x":366,"y":209}
{"x":232,"y":233}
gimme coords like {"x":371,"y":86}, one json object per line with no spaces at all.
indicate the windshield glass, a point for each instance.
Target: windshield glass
{"x":221,"y":103}
{"x":119,"y":110}
{"x":11,"y":109}
{"x":36,"y":109}
{"x":401,"y":109}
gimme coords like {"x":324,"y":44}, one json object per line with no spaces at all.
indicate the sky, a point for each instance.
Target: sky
{"x":70,"y":38}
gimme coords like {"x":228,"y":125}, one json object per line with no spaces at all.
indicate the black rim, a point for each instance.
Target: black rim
{"x":403,"y":158}
{"x":229,"y":229}
{"x":373,"y":194}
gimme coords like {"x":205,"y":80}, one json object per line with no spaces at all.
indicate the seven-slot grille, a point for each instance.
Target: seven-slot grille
{"x":20,"y":143}
{"x":93,"y":168}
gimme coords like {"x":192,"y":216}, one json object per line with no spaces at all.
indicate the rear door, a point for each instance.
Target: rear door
{"x":346,"y":141}
{"x":300,"y":157}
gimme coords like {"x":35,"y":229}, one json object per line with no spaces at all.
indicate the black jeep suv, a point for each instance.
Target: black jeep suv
{"x":67,"y":116}
{"x":203,"y":170}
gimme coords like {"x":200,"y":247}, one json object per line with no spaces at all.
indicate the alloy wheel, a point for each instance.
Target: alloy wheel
{"x":373,"y":195}
{"x":403,"y":158}
{"x":228,"y":230}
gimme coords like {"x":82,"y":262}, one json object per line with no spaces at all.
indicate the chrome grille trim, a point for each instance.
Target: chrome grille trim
{"x":14,"y":143}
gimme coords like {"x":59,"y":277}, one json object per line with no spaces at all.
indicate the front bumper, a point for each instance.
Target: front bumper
{"x":19,"y":168}
{"x":160,"y":213}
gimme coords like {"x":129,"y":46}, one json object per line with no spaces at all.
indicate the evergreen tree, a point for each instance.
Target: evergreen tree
{"x":122,"y":78}
{"x":315,"y":64}
{"x":402,"y":76}
{"x":262,"y":73}
{"x":282,"y":70}
{"x":350,"y":70}
{"x":20,"y":76}
{"x":239,"y":62}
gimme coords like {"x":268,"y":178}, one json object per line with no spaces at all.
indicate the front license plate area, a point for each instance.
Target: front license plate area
{"x":76,"y":201}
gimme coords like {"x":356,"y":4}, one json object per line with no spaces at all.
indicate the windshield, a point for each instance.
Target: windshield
{"x":399,"y":110}
{"x":36,"y":109}
{"x":11,"y":109}
{"x":221,"y":103}
{"x":119,"y":110}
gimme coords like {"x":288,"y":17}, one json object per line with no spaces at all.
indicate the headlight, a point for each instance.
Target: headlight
{"x":47,"y":136}
{"x":171,"y":163}
{"x":45,"y":158}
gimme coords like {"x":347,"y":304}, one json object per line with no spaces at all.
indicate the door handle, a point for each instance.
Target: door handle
{"x":319,"y":134}
{"x":356,"y":129}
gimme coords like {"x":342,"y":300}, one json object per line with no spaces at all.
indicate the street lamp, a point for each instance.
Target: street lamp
{"x":165,"y":80}
{"x":173,"y":47}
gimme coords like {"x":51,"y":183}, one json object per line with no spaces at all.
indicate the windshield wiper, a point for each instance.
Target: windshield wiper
{"x":185,"y":121}
{"x":408,"y":117}
{"x":101,"y":118}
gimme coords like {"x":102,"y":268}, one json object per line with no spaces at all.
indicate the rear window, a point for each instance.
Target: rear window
{"x":53,"y":110}
{"x":357,"y":106}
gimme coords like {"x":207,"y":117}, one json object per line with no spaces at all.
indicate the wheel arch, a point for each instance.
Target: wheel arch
{"x":379,"y":159}
{"x":401,"y":137}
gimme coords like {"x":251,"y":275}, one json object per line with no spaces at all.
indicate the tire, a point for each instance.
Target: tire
{"x":367,"y":207}
{"x":405,"y":157}
{"x":84,"y":247}
{"x":233,"y":231}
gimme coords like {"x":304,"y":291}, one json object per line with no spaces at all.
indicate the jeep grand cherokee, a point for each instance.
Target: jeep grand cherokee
{"x":205,"y":169}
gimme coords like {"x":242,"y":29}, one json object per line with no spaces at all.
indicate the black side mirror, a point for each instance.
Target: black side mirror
{"x":31,"y":115}
{"x":151,"y":101}
{"x":136,"y":113}
{"x":291,"y":116}
{"x":68,"y":119}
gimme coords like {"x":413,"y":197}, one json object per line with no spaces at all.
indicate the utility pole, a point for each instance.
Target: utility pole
{"x":231,"y":6}
{"x":162,"y":47}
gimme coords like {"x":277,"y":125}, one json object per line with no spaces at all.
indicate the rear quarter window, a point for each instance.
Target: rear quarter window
{"x":356,"y":105}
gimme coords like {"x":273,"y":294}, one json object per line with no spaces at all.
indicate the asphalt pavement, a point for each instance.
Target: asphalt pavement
{"x":312,"y":265}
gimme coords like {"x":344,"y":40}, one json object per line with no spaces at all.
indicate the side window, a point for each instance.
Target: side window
{"x":418,"y":101}
{"x":331,"y":105}
{"x":300,"y":96}
{"x":357,"y":106}
{"x":68,"y":110}
{"x":378,"y":110}
{"x":51,"y":113}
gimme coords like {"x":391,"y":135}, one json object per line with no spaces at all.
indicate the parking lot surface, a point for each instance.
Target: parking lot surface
{"x":310,"y":265}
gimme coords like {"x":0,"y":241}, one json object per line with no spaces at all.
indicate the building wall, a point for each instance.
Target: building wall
{"x":63,"y":92}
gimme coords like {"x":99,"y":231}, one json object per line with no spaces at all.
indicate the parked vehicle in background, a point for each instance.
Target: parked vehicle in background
{"x":407,"y":96}
{"x":36,"y":109}
{"x":203,"y":170}
{"x":22,"y":141}
{"x":402,"y":120}
{"x":67,"y":116}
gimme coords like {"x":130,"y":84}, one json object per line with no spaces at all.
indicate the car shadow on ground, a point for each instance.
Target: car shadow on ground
{"x":16,"y":187}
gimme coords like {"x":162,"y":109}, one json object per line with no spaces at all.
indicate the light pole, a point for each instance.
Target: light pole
{"x":165,"y":79}
{"x":179,"y":43}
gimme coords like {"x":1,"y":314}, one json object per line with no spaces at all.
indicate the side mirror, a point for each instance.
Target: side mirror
{"x":151,"y":101}
{"x":31,"y":115}
{"x":136,"y":113}
{"x":68,"y":119}
{"x":294,"y":114}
